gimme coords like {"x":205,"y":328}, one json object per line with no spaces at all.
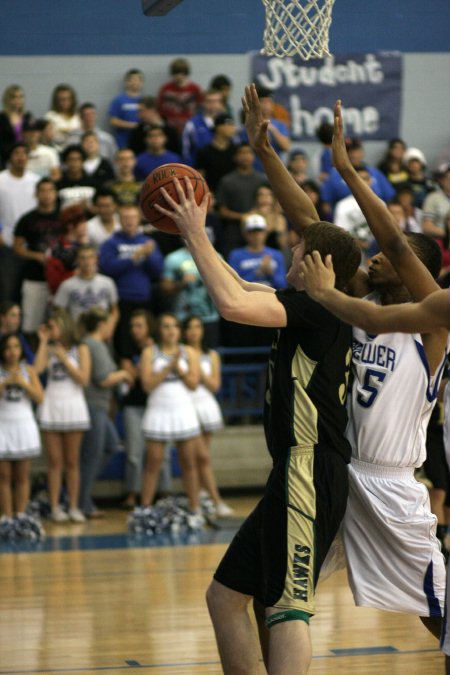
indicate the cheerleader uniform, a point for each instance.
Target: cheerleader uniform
{"x":19,"y":433}
{"x":64,"y":407}
{"x":170,"y":414}
{"x":205,"y":403}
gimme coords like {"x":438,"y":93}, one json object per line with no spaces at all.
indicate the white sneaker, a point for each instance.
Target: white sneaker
{"x":223,"y":510}
{"x":58,"y":515}
{"x":76,"y":516}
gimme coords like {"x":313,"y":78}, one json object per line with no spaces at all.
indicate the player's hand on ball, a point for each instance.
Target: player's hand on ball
{"x":187,"y":214}
{"x":317,"y":276}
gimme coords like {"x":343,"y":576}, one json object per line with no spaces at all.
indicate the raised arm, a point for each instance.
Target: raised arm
{"x":390,"y":238}
{"x":296,"y":204}
{"x":428,"y":316}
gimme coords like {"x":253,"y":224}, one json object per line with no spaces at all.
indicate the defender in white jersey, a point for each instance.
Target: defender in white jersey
{"x":389,"y":532}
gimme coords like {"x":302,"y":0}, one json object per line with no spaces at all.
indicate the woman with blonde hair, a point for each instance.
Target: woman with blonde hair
{"x":63,"y":415}
{"x":12,"y":119}
{"x":63,"y":113}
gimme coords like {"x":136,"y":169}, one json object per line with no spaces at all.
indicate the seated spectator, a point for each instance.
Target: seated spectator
{"x":135,"y":263}
{"x":235,"y":197}
{"x":216,"y":159}
{"x":155,"y":155}
{"x":392,"y":163}
{"x":125,"y":186}
{"x":418,"y":181}
{"x":223,"y":84}
{"x":437,"y":205}
{"x":348,"y":215}
{"x":10,"y":316}
{"x":412,"y":216}
{"x":298,"y":166}
{"x":266,"y":205}
{"x":75,"y":186}
{"x":179,"y":98}
{"x":62,"y":262}
{"x":323,"y":163}
{"x":48,"y":133}
{"x":107,"y":220}
{"x":123,"y":110}
{"x":87,"y":288}
{"x":12,"y":120}
{"x":88,"y":119}
{"x":279,"y":134}
{"x":42,"y":159}
{"x":312,"y":189}
{"x":35,"y":235}
{"x":140,"y":334}
{"x":97,"y":167}
{"x":102,"y":437}
{"x":63,"y":113}
{"x":335,"y":188}
{"x":17,"y":197}
{"x":149,"y":117}
{"x":199,"y":130}
{"x":183,"y":285}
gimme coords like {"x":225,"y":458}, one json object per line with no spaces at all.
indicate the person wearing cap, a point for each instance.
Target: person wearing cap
{"x":335,"y":188}
{"x":436,"y":206}
{"x":42,"y":160}
{"x":199,"y":130}
{"x":215,"y":159}
{"x":416,"y":165}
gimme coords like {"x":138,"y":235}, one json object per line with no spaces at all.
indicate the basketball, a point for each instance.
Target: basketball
{"x":163,"y":177}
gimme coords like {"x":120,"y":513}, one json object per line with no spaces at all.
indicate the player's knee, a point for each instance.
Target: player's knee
{"x":221,"y":600}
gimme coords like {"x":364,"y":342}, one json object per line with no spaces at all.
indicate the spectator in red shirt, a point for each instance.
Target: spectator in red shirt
{"x":179,"y":98}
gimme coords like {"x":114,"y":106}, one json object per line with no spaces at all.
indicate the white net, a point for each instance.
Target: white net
{"x":297,"y":27}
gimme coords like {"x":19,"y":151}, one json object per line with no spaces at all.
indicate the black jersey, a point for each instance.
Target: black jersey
{"x":307,"y":379}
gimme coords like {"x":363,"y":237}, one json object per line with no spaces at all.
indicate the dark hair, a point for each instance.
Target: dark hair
{"x":159,"y":321}
{"x":91,"y":319}
{"x":148,"y":102}
{"x":104,"y":192}
{"x":4,"y":339}
{"x":219,"y":82}
{"x":243,"y":144}
{"x":328,"y":238}
{"x":179,"y":66}
{"x":324,"y":133}
{"x":13,"y":147}
{"x":263,"y":92}
{"x":148,"y":316}
{"x":85,"y":247}
{"x":185,"y":325}
{"x":86,"y":134}
{"x":74,"y":147}
{"x":45,"y":180}
{"x":57,"y":90}
{"x":427,"y":250}
{"x":395,"y":141}
{"x":6,"y":306}
{"x":87,"y":106}
{"x":134,"y":71}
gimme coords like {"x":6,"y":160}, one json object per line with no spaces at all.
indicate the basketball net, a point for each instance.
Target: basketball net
{"x":297,"y":27}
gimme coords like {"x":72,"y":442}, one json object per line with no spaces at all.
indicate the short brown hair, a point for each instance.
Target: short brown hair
{"x":331,"y":239}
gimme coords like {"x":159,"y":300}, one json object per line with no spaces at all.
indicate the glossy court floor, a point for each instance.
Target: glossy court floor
{"x":92,"y":600}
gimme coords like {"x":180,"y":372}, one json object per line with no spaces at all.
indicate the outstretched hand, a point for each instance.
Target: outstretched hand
{"x":340,"y":156}
{"x":189,"y":216}
{"x":317,"y":276}
{"x":255,"y":124}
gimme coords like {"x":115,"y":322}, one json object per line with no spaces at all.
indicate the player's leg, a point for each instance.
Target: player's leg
{"x":290,"y":649}
{"x":263,"y":631}
{"x":153,"y":461}
{"x":236,"y":638}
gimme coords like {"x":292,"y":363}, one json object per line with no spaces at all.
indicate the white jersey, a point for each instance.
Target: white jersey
{"x":391,"y":398}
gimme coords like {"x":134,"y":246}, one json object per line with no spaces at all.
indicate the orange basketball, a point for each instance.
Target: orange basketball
{"x":163,"y":177}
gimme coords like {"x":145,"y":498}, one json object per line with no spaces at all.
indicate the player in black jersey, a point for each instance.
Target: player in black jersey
{"x":276,"y":556}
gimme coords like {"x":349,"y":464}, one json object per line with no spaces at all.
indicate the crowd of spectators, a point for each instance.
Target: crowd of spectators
{"x":72,"y":235}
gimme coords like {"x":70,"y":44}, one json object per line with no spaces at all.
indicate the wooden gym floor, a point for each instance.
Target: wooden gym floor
{"x":90,"y":600}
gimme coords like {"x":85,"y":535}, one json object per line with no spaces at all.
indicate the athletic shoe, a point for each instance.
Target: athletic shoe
{"x":76,"y":516}
{"x":223,"y":510}
{"x":58,"y":515}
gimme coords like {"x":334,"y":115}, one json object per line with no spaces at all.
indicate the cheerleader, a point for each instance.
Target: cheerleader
{"x":63,"y":415}
{"x":207,"y":408}
{"x":19,"y":433}
{"x":169,"y":371}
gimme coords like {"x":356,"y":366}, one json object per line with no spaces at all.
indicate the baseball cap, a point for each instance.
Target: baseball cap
{"x":255,"y":222}
{"x":414,"y":153}
{"x":223,"y":118}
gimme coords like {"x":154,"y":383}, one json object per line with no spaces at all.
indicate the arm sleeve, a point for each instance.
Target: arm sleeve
{"x":110,"y":262}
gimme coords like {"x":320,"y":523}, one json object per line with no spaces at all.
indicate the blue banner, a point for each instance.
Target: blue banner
{"x":370,"y":86}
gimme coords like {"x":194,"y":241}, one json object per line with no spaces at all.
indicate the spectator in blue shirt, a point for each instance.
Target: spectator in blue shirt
{"x":135,"y":262}
{"x":199,"y":130}
{"x":156,"y":154}
{"x":334,"y":188}
{"x":123,"y":110}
